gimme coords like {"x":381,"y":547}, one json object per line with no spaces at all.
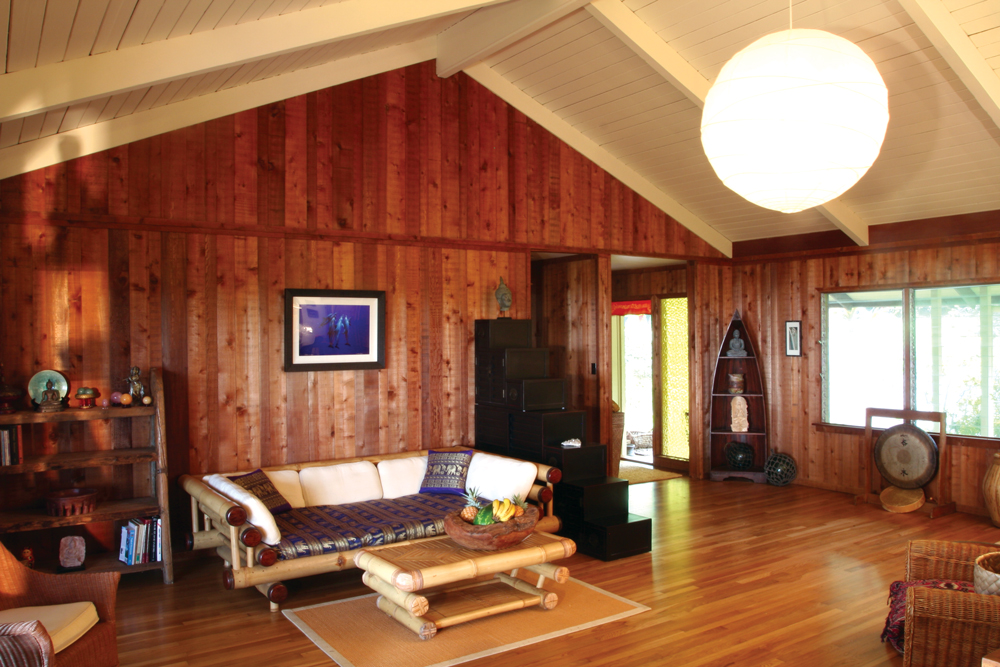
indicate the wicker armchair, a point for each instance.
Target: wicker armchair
{"x":23,"y":587}
{"x":946,"y":627}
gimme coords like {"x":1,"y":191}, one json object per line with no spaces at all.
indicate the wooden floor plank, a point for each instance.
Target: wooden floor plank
{"x":740,"y":574}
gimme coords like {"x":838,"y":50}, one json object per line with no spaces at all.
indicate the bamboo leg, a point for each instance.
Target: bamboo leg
{"x":423,"y":629}
{"x":195,"y":524}
{"x":235,"y":545}
{"x":415,"y":605}
{"x":476,"y":614}
{"x":546,"y":599}
{"x":384,"y":570}
{"x":557,"y":573}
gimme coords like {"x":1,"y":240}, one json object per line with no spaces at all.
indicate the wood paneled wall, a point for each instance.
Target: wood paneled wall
{"x":768,"y":294}
{"x":174,"y":251}
{"x":636,"y":284}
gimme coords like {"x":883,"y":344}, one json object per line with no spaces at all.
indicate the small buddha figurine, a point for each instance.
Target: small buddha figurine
{"x":739,"y":423}
{"x":736,"y":346}
{"x":504,"y":298}
{"x":51,"y":399}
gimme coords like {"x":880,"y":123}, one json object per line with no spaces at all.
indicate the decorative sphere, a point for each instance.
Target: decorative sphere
{"x":147,"y":400}
{"x":126,"y":399}
{"x":739,"y":455}
{"x":795,"y":119}
{"x":780,"y":469}
{"x":116,"y":398}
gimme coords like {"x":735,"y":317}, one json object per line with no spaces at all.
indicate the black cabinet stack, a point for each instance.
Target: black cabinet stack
{"x":520,"y":412}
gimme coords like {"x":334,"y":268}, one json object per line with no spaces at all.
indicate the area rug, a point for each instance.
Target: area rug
{"x":354,"y":633}
{"x":637,"y":473}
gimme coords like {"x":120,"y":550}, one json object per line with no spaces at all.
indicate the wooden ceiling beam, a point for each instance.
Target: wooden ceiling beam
{"x":954,"y":45}
{"x":64,"y":146}
{"x":490,"y":29}
{"x":527,"y":105}
{"x":669,"y":64}
{"x":36,"y":90}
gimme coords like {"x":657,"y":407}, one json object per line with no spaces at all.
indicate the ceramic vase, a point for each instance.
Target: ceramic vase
{"x":991,"y":490}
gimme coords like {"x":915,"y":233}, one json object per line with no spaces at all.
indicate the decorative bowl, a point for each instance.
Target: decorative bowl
{"x":494,"y":536}
{"x":71,"y":502}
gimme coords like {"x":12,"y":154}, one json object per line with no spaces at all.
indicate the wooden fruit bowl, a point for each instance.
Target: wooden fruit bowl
{"x":493,"y":537}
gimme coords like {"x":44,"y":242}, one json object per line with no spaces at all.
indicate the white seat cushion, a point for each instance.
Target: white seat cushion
{"x":498,"y":477}
{"x":65,"y":623}
{"x":287,"y":484}
{"x":340,"y":483}
{"x":402,"y":477}
{"x":257,"y":512}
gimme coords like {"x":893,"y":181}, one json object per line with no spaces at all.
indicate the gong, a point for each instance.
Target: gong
{"x":906,"y":456}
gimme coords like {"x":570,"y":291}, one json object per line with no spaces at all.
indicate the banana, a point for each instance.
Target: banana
{"x":506,"y":510}
{"x":496,"y":508}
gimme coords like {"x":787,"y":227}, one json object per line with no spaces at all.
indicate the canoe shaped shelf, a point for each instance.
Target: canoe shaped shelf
{"x":737,"y":384}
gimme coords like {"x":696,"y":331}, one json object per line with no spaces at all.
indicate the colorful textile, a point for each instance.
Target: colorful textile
{"x":894,"y":630}
{"x":446,"y":472}
{"x":632,"y":307}
{"x":259,"y":485}
{"x":313,"y":531}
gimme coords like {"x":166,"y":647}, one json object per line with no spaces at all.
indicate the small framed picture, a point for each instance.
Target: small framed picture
{"x":334,"y":330}
{"x":793,"y":338}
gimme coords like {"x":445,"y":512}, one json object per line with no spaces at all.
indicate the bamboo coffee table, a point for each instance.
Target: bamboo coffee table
{"x":457,"y":584}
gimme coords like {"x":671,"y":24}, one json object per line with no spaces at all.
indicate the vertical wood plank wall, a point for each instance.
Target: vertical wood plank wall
{"x":174,"y":251}
{"x":768,"y":294}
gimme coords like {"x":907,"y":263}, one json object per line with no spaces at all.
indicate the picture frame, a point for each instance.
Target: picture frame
{"x":793,"y":338}
{"x":334,"y":330}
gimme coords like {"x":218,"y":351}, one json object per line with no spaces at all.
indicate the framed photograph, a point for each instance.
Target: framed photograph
{"x":793,"y":338}
{"x":334,"y":330}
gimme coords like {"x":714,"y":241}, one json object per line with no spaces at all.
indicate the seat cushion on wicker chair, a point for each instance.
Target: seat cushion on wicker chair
{"x":894,"y":630}
{"x":65,"y":623}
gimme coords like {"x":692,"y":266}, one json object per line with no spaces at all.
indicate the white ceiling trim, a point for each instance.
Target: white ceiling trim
{"x":486,"y":31}
{"x":64,"y":146}
{"x":599,"y":155}
{"x":952,"y":42}
{"x":649,"y":46}
{"x":31,"y":91}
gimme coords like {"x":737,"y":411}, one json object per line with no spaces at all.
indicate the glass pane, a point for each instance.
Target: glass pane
{"x":863,"y":355}
{"x":956,"y":339}
{"x":674,"y":360}
{"x":637,"y":378}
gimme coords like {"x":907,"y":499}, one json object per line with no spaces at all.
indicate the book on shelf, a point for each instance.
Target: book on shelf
{"x":10,"y":446}
{"x":141,"y":541}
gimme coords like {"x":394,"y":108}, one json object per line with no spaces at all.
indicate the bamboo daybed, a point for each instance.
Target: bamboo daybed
{"x":222,"y":523}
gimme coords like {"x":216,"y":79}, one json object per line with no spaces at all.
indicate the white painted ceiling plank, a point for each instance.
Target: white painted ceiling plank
{"x":256,"y":11}
{"x":143,"y":17}
{"x":89,"y":16}
{"x":59,"y":17}
{"x":210,"y":19}
{"x":651,"y":48}
{"x":92,"y":112}
{"x":59,"y":84}
{"x":166,"y":20}
{"x":85,"y":141}
{"x":233,"y":14}
{"x":31,"y":129}
{"x":26,"y":18}
{"x":538,"y":113}
{"x":131,"y":103}
{"x":529,"y":51}
{"x":4,"y":29}
{"x":487,"y":31}
{"x":71,"y":120}
{"x":168,"y":94}
{"x":149,"y":99}
{"x":277,"y":8}
{"x":113,"y":26}
{"x":10,"y":132}
{"x":113,"y":106}
{"x":189,"y":18}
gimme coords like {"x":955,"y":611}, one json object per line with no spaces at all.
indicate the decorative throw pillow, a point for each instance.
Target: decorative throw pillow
{"x":446,"y":472}
{"x":894,"y":622}
{"x":259,"y":485}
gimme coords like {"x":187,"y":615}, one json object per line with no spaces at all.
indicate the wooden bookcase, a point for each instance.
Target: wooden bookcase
{"x":152,"y":459}
{"x":721,"y":433}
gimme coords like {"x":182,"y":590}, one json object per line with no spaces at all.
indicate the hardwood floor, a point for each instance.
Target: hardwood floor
{"x":740,"y":574}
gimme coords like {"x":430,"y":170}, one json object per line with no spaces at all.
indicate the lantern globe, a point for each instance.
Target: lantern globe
{"x":795,"y":119}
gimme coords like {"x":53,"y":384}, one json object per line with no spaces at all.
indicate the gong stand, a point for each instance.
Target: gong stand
{"x":937,"y":491}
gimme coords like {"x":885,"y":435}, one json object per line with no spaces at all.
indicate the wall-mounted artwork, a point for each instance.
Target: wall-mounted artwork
{"x":332,"y":330}
{"x":793,"y":338}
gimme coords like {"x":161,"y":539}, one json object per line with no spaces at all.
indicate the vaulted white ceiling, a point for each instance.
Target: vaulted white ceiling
{"x":621,"y":81}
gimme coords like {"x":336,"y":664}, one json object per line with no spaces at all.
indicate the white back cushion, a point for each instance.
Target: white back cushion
{"x":340,"y":483}
{"x":402,"y":477}
{"x":65,"y":623}
{"x":257,"y":513}
{"x":497,"y":477}
{"x":287,"y":484}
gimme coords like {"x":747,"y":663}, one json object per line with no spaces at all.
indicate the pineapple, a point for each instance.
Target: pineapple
{"x":472,"y":505}
{"x":519,"y":506}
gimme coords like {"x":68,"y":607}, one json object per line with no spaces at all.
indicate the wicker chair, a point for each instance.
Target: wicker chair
{"x":946,"y":627}
{"x":23,"y":587}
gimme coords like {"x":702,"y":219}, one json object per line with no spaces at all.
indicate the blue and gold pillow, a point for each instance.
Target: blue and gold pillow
{"x":446,"y":472}
{"x":260,"y":486}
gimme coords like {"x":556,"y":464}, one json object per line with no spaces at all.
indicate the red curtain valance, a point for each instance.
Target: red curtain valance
{"x":632,"y":308}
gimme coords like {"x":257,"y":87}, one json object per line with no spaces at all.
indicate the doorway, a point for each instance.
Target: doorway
{"x":649,"y":340}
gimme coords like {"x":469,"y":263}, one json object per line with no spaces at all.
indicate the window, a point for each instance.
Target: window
{"x":927,"y":349}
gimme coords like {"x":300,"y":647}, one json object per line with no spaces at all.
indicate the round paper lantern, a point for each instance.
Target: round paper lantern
{"x":795,"y":119}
